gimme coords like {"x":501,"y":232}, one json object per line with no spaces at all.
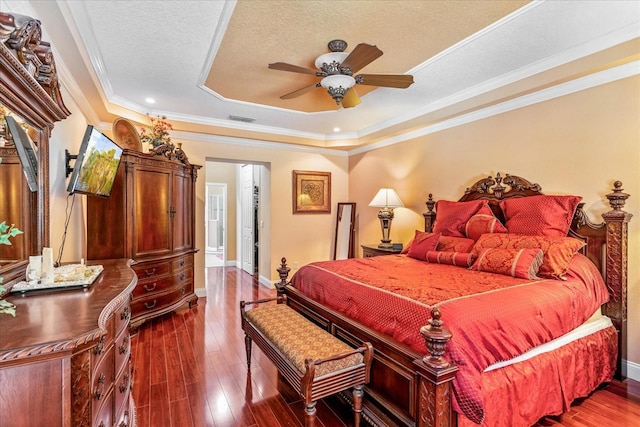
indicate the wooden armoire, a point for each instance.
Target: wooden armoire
{"x":149,"y":218}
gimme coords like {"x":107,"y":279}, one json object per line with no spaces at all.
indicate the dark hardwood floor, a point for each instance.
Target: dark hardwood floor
{"x":190,"y":370}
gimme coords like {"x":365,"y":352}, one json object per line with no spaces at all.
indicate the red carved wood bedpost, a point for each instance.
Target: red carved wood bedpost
{"x":435,"y":376}
{"x":617,"y":221}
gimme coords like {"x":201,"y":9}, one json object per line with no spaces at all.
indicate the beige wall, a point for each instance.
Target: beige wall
{"x":577,"y":144}
{"x":301,"y":238}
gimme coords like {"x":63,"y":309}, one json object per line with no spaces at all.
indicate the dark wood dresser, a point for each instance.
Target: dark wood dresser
{"x":65,"y":356}
{"x":149,"y":218}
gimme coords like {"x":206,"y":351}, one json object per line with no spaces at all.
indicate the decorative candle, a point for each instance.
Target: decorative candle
{"x":47,"y":266}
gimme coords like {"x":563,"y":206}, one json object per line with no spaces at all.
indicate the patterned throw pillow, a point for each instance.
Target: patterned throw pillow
{"x":455,"y":244}
{"x":423,"y":242}
{"x":483,"y":222}
{"x":540,"y":215}
{"x":452,"y":216}
{"x":523,"y":263}
{"x":459,"y":259}
{"x":557,"y":251}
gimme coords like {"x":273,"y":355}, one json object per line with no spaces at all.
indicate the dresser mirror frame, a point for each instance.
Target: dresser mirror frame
{"x":29,"y":89}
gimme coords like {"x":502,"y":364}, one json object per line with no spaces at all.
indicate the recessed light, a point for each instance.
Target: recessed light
{"x":150,"y":100}
{"x":336,"y":129}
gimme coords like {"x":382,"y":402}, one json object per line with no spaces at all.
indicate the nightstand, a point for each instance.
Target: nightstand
{"x":374,"y":250}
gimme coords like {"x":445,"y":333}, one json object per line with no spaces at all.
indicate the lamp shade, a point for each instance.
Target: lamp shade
{"x":338,"y":80}
{"x":386,"y":197}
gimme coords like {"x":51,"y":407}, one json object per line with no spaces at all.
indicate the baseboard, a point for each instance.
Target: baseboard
{"x":265,"y":281}
{"x":633,"y":370}
{"x":201,"y":292}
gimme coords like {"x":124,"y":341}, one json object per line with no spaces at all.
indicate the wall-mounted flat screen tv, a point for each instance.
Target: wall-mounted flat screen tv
{"x":96,"y":166}
{"x":26,"y":152}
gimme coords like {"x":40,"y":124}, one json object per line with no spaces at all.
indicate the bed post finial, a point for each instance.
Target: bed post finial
{"x":436,"y":338}
{"x":617,"y":199}
{"x":430,"y":215}
{"x":283,"y":272}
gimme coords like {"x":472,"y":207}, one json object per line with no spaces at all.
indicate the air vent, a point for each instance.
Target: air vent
{"x":241,"y":119}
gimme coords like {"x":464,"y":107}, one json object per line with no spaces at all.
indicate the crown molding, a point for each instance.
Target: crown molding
{"x":583,"y":83}
{"x":255,"y":143}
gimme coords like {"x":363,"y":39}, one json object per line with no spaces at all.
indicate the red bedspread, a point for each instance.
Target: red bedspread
{"x":492,"y":317}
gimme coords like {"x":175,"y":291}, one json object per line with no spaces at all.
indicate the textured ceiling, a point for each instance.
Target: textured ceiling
{"x":406,"y":31}
{"x":204,"y":61}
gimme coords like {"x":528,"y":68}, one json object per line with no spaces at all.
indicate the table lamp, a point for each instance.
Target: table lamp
{"x":386,"y":199}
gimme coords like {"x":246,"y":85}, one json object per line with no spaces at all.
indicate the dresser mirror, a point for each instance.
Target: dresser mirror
{"x":345,"y":226}
{"x":30,"y":93}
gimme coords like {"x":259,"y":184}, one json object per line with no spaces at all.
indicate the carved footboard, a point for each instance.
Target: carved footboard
{"x":406,"y":388}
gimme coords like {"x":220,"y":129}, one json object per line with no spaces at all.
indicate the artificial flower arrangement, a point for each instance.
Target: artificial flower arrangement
{"x":158,"y":133}
{"x":6,"y":232}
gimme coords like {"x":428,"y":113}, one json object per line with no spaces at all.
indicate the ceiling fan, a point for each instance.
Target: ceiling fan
{"x":337,"y":68}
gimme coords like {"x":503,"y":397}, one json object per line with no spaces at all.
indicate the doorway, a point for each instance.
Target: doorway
{"x":247,"y":213}
{"x":216,"y":224}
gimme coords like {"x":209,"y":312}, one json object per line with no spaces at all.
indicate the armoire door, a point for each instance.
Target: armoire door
{"x":151,"y":212}
{"x":181,"y":212}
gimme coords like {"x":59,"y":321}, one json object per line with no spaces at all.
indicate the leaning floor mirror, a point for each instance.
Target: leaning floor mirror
{"x":343,"y":248}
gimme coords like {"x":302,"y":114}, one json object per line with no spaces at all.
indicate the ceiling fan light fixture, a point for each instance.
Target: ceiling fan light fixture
{"x":337,"y":85}
{"x":330,"y":62}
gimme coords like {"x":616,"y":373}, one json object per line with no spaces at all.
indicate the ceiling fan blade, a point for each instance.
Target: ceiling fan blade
{"x":400,"y":81}
{"x":351,"y":99}
{"x":283,"y":66}
{"x":361,"y":56}
{"x":299,"y":92}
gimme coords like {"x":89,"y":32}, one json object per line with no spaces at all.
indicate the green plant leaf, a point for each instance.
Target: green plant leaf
{"x":7,"y":308}
{"x":14,"y":232}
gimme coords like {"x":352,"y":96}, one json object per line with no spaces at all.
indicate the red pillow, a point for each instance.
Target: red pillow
{"x":459,"y":259}
{"x":422,"y":243}
{"x":455,"y":244}
{"x":483,"y":222}
{"x":405,"y":250}
{"x":523,"y":263}
{"x":540,"y":215}
{"x":557,"y":251}
{"x":452,"y":216}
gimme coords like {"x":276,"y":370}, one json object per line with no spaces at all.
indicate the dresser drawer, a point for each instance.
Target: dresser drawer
{"x":122,"y":389}
{"x":156,"y":302}
{"x":151,"y":270}
{"x":104,"y":416}
{"x":153,"y":286}
{"x":125,"y":419}
{"x":102,"y":379}
{"x":122,"y":317}
{"x":122,"y":350}
{"x":104,"y":342}
{"x":182,"y":262}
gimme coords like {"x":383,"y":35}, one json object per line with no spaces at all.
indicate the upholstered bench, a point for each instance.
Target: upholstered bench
{"x":314,"y":362}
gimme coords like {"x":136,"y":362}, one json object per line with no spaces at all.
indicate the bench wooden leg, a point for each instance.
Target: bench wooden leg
{"x":310,"y":411}
{"x":247,"y":348}
{"x":357,"y":404}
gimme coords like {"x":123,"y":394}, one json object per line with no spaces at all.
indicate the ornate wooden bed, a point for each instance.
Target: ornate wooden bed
{"x":412,"y":389}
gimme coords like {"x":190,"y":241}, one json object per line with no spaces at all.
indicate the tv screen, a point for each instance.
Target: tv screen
{"x":26,"y":152}
{"x":96,"y":165}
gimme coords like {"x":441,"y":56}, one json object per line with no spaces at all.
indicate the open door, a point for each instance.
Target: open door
{"x":248,"y":225}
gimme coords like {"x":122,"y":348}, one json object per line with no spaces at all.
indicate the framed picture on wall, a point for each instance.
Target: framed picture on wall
{"x":311,"y":192}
